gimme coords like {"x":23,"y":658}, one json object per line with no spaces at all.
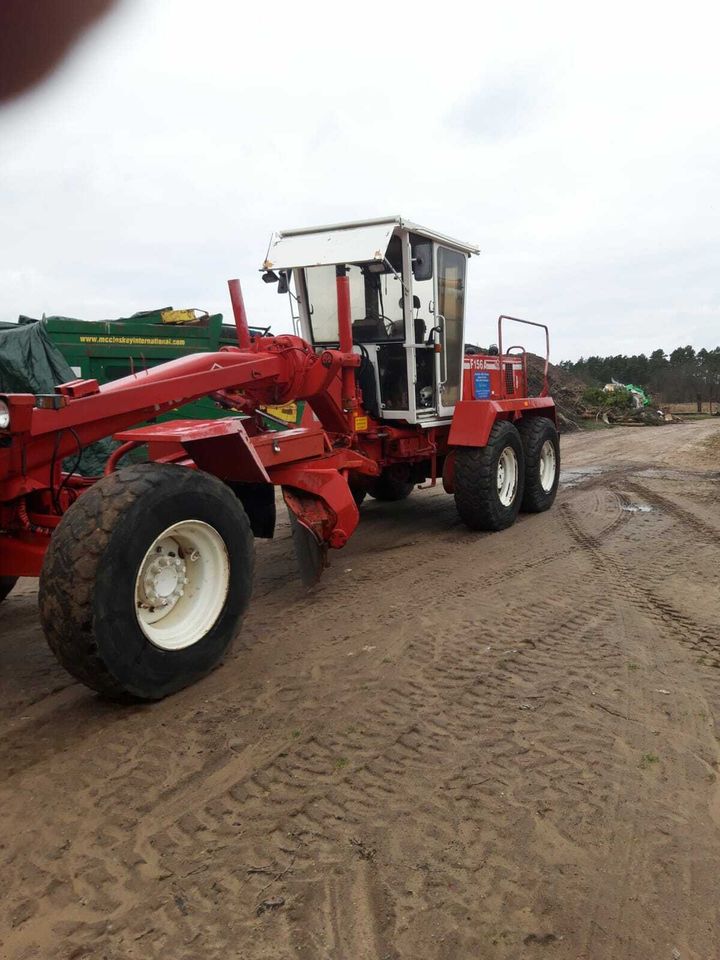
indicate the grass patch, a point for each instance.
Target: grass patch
{"x":648,"y":760}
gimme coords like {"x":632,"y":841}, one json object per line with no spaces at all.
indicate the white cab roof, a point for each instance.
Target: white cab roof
{"x":355,"y":242}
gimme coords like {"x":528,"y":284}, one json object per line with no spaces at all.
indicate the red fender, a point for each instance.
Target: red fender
{"x":474,"y":419}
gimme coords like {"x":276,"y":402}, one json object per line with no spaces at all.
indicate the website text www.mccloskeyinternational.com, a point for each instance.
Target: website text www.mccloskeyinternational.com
{"x":142,"y":341}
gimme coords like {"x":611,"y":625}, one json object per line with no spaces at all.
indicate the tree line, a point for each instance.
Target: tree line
{"x":678,"y":377}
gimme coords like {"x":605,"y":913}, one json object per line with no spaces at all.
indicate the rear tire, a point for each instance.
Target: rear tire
{"x":146,"y":579}
{"x":393,"y":484}
{"x":6,"y":585}
{"x":489,"y":480}
{"x":541,"y":446}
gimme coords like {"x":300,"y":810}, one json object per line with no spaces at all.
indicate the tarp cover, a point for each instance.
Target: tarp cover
{"x":31,"y":363}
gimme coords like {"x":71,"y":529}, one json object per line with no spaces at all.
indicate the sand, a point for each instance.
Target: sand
{"x":460,"y":746}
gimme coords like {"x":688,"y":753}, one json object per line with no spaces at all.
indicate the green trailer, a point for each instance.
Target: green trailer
{"x":106,"y":350}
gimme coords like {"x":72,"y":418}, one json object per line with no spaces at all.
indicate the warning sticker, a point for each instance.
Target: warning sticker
{"x":287,"y":413}
{"x":481,"y":385}
{"x":361,"y":423}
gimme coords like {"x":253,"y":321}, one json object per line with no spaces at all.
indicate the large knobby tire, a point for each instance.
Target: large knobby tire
{"x":6,"y":585}
{"x":392,"y":484}
{"x":487,"y":497}
{"x":146,"y":579}
{"x":541,"y":445}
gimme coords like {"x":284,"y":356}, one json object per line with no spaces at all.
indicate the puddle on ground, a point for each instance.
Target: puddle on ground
{"x":577,"y":475}
{"x":660,"y":473}
{"x":636,"y":508}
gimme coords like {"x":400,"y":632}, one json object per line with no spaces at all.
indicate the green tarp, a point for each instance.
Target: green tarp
{"x":31,"y":363}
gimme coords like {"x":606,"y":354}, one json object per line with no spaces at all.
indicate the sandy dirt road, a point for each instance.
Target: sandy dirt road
{"x":462,"y":746}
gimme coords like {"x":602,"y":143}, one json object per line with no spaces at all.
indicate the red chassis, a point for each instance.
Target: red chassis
{"x":315,"y":465}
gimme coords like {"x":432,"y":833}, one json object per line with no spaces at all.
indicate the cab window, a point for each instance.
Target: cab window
{"x":377,"y":302}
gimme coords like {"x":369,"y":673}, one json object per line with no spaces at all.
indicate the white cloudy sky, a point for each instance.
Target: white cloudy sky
{"x":577,"y":144}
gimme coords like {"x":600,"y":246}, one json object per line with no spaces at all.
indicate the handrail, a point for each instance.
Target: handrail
{"x":523,"y":357}
{"x":530,"y":323}
{"x":442,"y":329}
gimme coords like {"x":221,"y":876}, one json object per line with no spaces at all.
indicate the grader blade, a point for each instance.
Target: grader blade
{"x":311,"y":554}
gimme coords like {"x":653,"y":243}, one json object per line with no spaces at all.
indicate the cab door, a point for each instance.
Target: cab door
{"x":450,"y":266}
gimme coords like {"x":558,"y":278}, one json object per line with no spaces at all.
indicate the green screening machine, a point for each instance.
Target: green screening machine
{"x":106,"y":350}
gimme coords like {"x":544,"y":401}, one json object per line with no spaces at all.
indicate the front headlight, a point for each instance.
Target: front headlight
{"x":4,"y":416}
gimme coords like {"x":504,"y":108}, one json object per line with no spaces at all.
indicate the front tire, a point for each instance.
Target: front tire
{"x":6,"y":585}
{"x":541,"y":446}
{"x":146,"y":580}
{"x":489,"y":480}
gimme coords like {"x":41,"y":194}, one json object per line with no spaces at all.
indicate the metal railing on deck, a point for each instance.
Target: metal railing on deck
{"x":530,"y":323}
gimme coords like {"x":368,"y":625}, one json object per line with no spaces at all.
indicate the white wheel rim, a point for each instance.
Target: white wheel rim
{"x":548,"y":466}
{"x":182,"y":584}
{"x":507,"y":476}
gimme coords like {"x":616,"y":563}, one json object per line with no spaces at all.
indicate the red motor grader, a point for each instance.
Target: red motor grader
{"x":146,"y":571}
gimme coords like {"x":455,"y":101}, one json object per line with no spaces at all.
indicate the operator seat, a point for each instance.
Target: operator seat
{"x":368,"y":330}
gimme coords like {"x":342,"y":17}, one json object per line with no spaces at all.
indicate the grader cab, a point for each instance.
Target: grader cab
{"x":407,"y":302}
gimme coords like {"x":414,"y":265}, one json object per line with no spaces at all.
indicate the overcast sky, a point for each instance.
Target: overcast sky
{"x":578,"y":145}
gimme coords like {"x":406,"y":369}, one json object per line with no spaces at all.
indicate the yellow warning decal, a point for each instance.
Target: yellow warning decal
{"x":288,"y":413}
{"x":361,"y":423}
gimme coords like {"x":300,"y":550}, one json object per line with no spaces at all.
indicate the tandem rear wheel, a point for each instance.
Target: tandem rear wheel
{"x":541,"y":446}
{"x":146,"y":580}
{"x":490,"y":480}
{"x":518,"y":469}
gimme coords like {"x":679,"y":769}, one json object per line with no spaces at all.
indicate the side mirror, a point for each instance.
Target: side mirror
{"x":422,"y":260}
{"x":283,"y":282}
